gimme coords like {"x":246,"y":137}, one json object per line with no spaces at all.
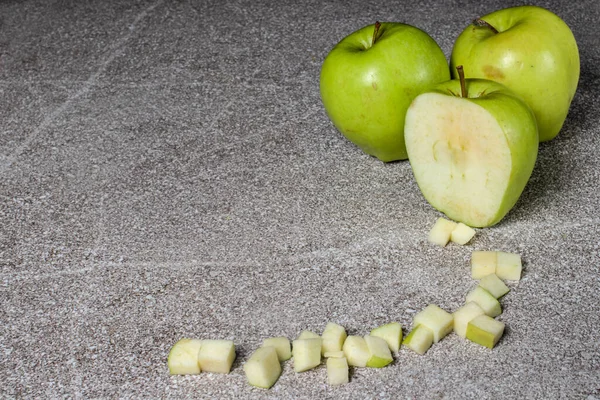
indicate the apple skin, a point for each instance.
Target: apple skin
{"x":534,"y":54}
{"x":366,"y":89}
{"x":519,"y":125}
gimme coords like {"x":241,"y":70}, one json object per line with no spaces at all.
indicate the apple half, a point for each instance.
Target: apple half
{"x":472,"y":145}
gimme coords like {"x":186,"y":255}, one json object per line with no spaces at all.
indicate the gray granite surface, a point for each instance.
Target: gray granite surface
{"x":167,"y":170}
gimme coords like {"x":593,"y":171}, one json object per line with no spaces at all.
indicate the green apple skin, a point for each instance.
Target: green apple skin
{"x":519,"y":125}
{"x":534,"y":54}
{"x":366,"y":89}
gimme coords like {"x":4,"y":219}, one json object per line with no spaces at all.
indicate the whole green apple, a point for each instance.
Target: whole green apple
{"x":369,"y":79}
{"x":472,"y":145}
{"x":531,"y":51}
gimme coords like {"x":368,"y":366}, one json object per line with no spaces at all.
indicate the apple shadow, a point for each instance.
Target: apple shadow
{"x":554,"y":168}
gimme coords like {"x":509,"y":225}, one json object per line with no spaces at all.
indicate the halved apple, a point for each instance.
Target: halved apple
{"x":472,"y":145}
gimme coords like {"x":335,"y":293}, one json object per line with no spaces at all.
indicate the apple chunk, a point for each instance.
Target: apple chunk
{"x":356,"y":351}
{"x":509,"y":266}
{"x":485,"y":331}
{"x":380,"y":352}
{"x":183,"y":357}
{"x":483,"y":263}
{"x":216,"y":356}
{"x":306,"y":353}
{"x":471,"y":155}
{"x":333,"y":337}
{"x":337,"y":371}
{"x":464,"y":315}
{"x":281,"y":345}
{"x":494,"y":285}
{"x":439,"y":322}
{"x":441,"y":232}
{"x":484,"y":299}
{"x":263,"y":368}
{"x":462,"y":234}
{"x":419,"y":339}
{"x":391,"y":333}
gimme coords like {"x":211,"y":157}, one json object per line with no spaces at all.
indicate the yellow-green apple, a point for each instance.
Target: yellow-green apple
{"x":472,"y":145}
{"x":369,"y":79}
{"x":531,"y":51}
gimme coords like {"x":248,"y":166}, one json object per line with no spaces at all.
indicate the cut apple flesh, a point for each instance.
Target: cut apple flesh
{"x":460,"y":157}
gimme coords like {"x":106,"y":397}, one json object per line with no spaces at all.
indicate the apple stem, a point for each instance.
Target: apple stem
{"x":461,"y":77}
{"x":375,"y":32}
{"x":483,"y":23}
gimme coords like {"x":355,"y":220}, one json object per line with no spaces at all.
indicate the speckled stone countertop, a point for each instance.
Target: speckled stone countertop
{"x":167,"y":170}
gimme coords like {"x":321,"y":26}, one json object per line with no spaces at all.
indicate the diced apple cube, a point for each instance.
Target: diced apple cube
{"x":216,"y":356}
{"x":439,"y":322}
{"x":485,"y":300}
{"x":183,"y":357}
{"x":419,"y":339}
{"x":282,"y":346}
{"x":306,"y":353}
{"x":391,"y":333}
{"x":333,"y":337}
{"x":494,"y":285}
{"x":263,"y":368}
{"x":509,"y":266}
{"x":356,"y":351}
{"x":441,"y":231}
{"x":306,"y":334}
{"x":380,"y":352}
{"x":462,"y":234}
{"x":485,"y":331}
{"x":464,"y":315}
{"x":483,"y":263}
{"x":337,"y":371}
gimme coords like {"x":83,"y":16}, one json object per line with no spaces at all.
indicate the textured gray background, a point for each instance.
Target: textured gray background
{"x":167,"y":170}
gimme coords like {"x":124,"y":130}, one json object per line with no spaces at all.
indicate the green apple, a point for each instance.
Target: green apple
{"x":472,"y":146}
{"x":419,"y":339}
{"x":369,"y":79}
{"x":437,"y":320}
{"x":357,"y":351}
{"x":333,"y":337}
{"x":484,"y":299}
{"x":530,"y":50}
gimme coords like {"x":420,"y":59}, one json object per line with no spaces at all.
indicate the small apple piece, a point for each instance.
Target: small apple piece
{"x":337,"y":371}
{"x":494,"y":285}
{"x":333,"y":337}
{"x":334,"y":354}
{"x":282,"y":346}
{"x":464,"y":315}
{"x":509,"y":266}
{"x":441,"y":231}
{"x":263,"y":368}
{"x":306,"y":334}
{"x":419,"y":339}
{"x":485,"y":300}
{"x":472,"y":146}
{"x":370,"y":77}
{"x":380,"y":352}
{"x":483,"y":263}
{"x":216,"y":356}
{"x":183,"y":357}
{"x":485,"y":330}
{"x":306,"y":353}
{"x":439,"y":322}
{"x":356,"y":351}
{"x":391,"y":333}
{"x":462,"y":234}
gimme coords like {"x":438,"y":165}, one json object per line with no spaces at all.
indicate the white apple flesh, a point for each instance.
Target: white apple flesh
{"x":471,"y":156}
